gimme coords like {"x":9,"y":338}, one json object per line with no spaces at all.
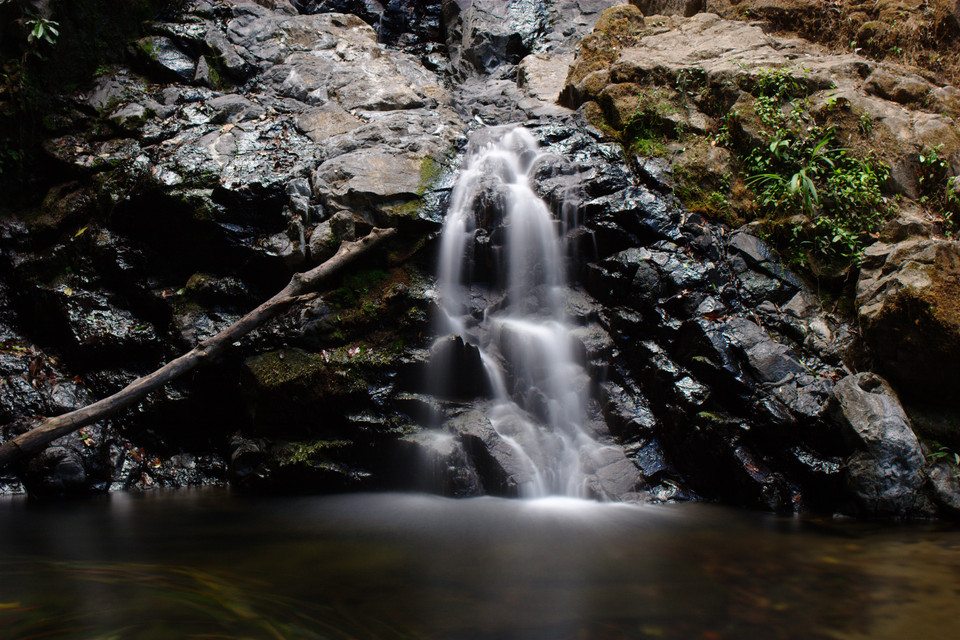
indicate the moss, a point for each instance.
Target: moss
{"x":713,"y":418}
{"x":429,"y":172}
{"x":408,"y":209}
{"x":618,"y":27}
{"x":311,"y":452}
{"x":357,"y":286}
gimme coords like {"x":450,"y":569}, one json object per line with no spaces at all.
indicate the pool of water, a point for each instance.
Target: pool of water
{"x":208,"y":564}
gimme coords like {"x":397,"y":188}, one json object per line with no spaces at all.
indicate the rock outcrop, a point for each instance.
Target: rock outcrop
{"x":247,"y":141}
{"x":907,"y":298}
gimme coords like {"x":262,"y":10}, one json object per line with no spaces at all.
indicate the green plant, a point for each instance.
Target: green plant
{"x":42,"y":29}
{"x":778,"y":84}
{"x":838,"y":195}
{"x":781,"y":187}
{"x":940,"y":453}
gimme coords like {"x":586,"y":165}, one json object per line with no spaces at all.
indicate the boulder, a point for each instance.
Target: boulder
{"x":162,"y":57}
{"x":907,"y":305}
{"x":885,"y":474}
{"x":502,"y":470}
{"x":437,"y":462}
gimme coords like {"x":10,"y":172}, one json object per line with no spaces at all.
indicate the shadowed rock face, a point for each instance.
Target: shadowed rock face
{"x":712,"y":367}
{"x":907,"y":298}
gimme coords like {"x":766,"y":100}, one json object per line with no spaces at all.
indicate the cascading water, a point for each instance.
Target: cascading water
{"x":503,"y":289}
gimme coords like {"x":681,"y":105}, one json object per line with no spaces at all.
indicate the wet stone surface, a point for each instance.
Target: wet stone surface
{"x":248,"y":143}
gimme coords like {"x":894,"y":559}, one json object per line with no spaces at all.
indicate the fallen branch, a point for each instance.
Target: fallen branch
{"x":300,"y":284}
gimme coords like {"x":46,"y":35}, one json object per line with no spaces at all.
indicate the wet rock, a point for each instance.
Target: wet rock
{"x":501,"y":469}
{"x":760,"y":256}
{"x":56,"y":472}
{"x":471,"y":379}
{"x":614,"y":475}
{"x":162,"y":57}
{"x":233,"y":108}
{"x":945,"y":487}
{"x":438,"y":463}
{"x":886,"y":472}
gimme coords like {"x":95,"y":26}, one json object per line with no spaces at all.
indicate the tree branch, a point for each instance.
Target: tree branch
{"x":297,"y":289}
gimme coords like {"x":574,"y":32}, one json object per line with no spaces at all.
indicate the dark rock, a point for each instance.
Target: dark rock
{"x":484,"y":36}
{"x":470,"y":379}
{"x":650,"y":460}
{"x":615,"y":475}
{"x":501,"y":470}
{"x":56,"y":472}
{"x":886,"y":472}
{"x":162,"y":56}
{"x":905,"y":299}
{"x":233,"y":108}
{"x":437,"y":462}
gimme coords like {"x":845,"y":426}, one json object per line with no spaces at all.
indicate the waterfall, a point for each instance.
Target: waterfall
{"x":502,"y":288}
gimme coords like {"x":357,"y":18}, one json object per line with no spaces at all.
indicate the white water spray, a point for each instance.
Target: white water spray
{"x":520,"y":328}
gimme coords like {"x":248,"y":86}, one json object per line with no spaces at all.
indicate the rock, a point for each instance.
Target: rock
{"x":945,"y":487}
{"x":906,"y":304}
{"x":501,"y":469}
{"x":543,"y":75}
{"x":614,"y":475}
{"x":327,"y":121}
{"x":56,"y":472}
{"x":471,"y":379}
{"x":328,"y":235}
{"x":686,"y":8}
{"x":909,"y":224}
{"x":233,"y":108}
{"x":366,"y":179}
{"x":164,"y":58}
{"x":763,"y":261}
{"x":222,"y":50}
{"x":905,"y":89}
{"x":248,"y":463}
{"x":437,"y":462}
{"x":886,"y":472}
{"x":484,"y":36}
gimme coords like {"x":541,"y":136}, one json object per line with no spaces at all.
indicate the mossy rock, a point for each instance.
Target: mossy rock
{"x":618,"y":27}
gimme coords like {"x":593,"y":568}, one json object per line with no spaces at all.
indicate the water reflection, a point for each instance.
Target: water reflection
{"x":210,"y":565}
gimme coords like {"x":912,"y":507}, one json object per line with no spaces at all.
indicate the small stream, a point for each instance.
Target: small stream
{"x":209,"y":564}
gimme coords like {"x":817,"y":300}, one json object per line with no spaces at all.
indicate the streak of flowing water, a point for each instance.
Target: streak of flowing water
{"x":519,"y":325}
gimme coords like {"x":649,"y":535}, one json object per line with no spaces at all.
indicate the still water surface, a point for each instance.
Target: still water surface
{"x":207,"y":564}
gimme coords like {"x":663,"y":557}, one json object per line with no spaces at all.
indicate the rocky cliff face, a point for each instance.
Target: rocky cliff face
{"x":245,"y":141}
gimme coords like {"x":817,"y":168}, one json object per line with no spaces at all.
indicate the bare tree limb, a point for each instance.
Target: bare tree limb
{"x":297,"y":290}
